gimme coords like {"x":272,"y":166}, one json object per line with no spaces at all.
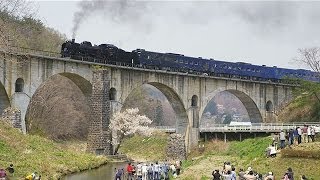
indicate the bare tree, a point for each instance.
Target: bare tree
{"x":310,"y":57}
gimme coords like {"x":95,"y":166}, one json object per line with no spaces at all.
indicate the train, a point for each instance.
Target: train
{"x":110,"y":54}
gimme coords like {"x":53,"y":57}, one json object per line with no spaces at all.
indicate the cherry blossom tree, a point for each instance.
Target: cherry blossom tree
{"x":127,"y":123}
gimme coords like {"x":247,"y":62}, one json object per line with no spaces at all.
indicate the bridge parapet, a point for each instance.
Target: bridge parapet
{"x":257,"y":127}
{"x":167,"y":129}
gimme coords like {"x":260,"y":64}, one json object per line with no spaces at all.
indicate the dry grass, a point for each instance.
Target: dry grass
{"x":31,"y":153}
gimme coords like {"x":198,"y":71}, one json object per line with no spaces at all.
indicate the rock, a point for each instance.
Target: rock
{"x":176,"y":149}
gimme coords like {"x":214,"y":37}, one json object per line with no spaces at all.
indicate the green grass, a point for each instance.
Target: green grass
{"x":303,"y":159}
{"x":250,"y":148}
{"x":31,"y":153}
{"x":151,"y":148}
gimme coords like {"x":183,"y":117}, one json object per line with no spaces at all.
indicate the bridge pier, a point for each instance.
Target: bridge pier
{"x":99,"y":135}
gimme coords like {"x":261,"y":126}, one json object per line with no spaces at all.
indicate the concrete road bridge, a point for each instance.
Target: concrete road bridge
{"x":108,"y":86}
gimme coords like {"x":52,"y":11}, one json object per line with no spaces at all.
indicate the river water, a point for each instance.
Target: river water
{"x":105,"y":172}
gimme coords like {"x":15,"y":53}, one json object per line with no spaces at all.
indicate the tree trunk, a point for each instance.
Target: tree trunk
{"x":118,"y":144}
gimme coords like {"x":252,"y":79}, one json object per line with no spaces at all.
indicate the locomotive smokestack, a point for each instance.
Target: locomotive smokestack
{"x":73,"y":40}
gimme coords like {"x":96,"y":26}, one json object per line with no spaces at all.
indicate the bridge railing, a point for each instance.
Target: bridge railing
{"x":165,"y":128}
{"x":256,"y":127}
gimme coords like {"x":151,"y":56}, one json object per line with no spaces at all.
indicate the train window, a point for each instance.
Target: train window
{"x":248,"y":69}
{"x":181,"y":61}
{"x":186,"y":62}
{"x":176,"y":60}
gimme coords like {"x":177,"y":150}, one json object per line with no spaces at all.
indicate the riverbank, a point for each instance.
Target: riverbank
{"x":29,"y":153}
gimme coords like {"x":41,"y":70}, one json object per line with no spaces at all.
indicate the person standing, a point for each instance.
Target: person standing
{"x":233,"y":174}
{"x":309,"y":133}
{"x":282,"y":139}
{"x":139,"y":171}
{"x":291,"y":137}
{"x":304,"y":133}
{"x":299,"y":134}
{"x":313,"y":133}
{"x":241,"y":174}
{"x":150,"y":171}
{"x":216,"y":175}
{"x":156,"y":171}
{"x":129,"y":171}
{"x":144,"y":171}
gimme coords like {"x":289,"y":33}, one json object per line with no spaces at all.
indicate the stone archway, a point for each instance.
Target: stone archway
{"x":175,"y":102}
{"x":59,"y":108}
{"x":248,"y":103}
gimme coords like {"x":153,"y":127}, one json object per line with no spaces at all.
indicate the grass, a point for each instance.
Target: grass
{"x":251,"y":152}
{"x":142,"y":148}
{"x":31,"y":153}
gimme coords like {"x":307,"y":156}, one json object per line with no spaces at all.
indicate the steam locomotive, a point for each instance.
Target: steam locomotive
{"x":110,"y":54}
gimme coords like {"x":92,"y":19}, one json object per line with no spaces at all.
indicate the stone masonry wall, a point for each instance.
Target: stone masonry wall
{"x":99,"y":135}
{"x":13,"y":116}
{"x":176,"y":149}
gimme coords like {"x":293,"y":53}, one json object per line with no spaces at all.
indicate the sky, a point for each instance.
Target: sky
{"x":258,"y":32}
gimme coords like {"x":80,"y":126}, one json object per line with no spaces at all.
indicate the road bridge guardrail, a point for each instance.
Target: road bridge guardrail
{"x":258,"y":127}
{"x":169,"y":129}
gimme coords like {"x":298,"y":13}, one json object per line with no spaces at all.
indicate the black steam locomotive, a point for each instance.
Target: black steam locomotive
{"x":103,"y":53}
{"x":110,"y":54}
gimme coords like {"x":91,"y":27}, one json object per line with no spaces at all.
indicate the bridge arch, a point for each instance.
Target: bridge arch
{"x":175,"y":102}
{"x":4,"y":98}
{"x":59,"y":108}
{"x":249,"y":104}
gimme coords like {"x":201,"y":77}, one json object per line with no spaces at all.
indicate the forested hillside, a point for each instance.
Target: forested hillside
{"x":19,"y":26}
{"x":305,"y":106}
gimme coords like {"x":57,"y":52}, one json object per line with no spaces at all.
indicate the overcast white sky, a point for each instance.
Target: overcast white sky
{"x":256,"y":32}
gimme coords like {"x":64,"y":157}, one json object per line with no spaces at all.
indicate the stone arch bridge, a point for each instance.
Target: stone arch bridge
{"x":23,"y":73}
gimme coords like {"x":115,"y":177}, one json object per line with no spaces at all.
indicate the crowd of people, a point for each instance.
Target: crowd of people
{"x":8,"y":173}
{"x":229,"y":173}
{"x":298,"y":135}
{"x":149,"y":171}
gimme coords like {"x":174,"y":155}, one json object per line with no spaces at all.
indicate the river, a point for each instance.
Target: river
{"x":105,"y":172}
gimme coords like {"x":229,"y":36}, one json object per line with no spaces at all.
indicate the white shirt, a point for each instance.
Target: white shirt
{"x":144,"y":169}
{"x":272,"y":150}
